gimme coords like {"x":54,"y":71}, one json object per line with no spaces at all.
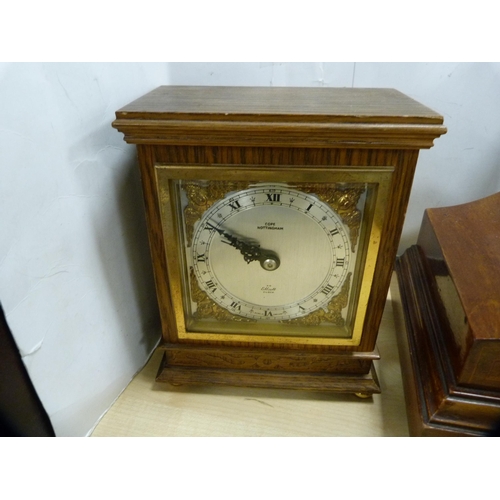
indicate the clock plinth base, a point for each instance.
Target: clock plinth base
{"x":340,"y":373}
{"x":436,"y":404}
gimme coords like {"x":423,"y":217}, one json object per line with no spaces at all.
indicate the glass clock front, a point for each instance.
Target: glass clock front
{"x":271,"y":259}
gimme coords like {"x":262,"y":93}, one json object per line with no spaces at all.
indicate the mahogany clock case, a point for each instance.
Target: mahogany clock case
{"x":290,"y":134}
{"x":449,"y":289}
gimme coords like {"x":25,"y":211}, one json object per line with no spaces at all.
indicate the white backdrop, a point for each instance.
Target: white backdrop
{"x":75,"y":273}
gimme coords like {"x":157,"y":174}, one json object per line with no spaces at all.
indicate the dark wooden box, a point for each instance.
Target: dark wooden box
{"x":449,"y":291}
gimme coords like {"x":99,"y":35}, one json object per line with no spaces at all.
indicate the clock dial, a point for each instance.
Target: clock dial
{"x":271,"y":253}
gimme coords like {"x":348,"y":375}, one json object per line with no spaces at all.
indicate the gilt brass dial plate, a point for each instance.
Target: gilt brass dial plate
{"x":262,"y":260}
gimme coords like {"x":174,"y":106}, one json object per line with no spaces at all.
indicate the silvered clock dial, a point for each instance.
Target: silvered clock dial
{"x":271,"y":253}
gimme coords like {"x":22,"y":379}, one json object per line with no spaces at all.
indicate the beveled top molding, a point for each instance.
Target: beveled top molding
{"x":279,"y":117}
{"x":472,"y":229}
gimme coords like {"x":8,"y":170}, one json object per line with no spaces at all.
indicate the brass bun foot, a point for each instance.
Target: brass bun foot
{"x":362,"y":395}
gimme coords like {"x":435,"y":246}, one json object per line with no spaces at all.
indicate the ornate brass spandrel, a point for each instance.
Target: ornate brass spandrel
{"x":334,"y":310}
{"x":201,"y":196}
{"x":344,"y":201}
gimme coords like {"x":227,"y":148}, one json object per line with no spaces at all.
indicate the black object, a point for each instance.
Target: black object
{"x":21,"y":411}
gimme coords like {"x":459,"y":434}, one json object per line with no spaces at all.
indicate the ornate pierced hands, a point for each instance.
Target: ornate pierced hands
{"x":251,"y":252}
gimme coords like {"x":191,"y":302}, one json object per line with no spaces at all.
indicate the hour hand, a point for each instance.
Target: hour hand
{"x":268,"y":259}
{"x":251,"y":252}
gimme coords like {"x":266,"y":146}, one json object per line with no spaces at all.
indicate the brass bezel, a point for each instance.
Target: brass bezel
{"x":380,"y":177}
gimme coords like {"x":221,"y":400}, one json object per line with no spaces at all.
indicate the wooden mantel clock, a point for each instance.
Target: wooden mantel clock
{"x":274,"y":216}
{"x":447,"y":305}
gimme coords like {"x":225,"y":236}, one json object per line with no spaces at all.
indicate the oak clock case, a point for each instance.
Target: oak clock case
{"x":274,"y":216}
{"x":259,"y":259}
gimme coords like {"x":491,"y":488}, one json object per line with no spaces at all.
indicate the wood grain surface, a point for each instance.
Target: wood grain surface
{"x":450,"y":332}
{"x":279,"y":116}
{"x":280,"y":103}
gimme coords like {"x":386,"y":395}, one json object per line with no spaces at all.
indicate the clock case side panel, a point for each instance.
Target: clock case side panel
{"x":146,"y":157}
{"x":405,"y":163}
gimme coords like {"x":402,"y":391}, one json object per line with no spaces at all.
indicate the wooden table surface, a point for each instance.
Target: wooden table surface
{"x":148,"y":408}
